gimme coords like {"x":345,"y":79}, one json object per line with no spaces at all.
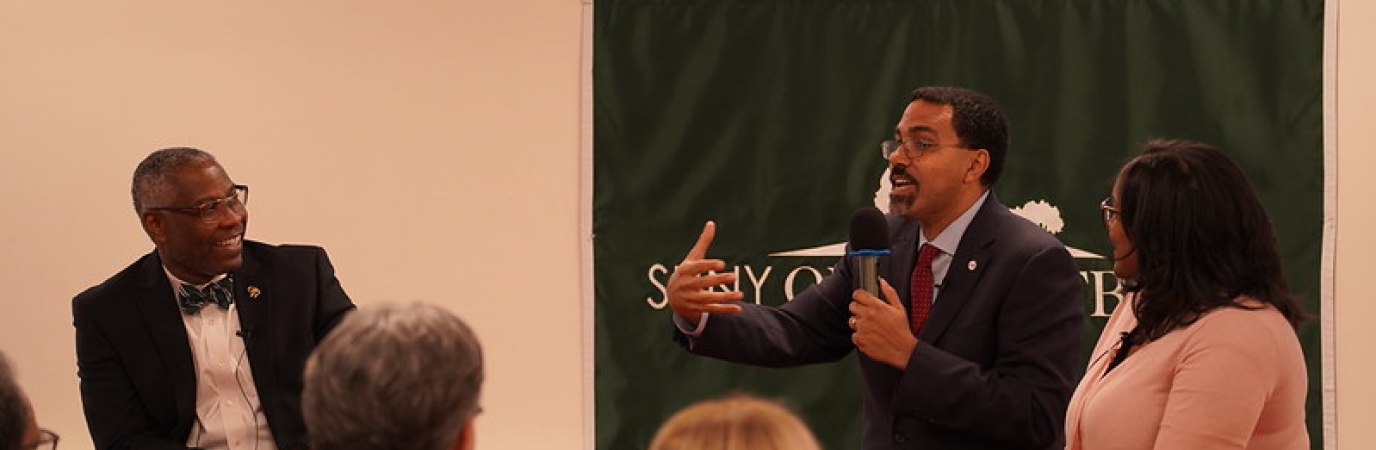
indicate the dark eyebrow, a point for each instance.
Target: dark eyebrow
{"x":915,"y":129}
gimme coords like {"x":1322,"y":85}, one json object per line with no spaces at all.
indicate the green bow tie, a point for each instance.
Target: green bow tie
{"x":220,"y":293}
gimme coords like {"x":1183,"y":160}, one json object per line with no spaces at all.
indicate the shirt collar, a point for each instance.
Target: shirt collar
{"x":177,"y":282}
{"x":950,"y":237}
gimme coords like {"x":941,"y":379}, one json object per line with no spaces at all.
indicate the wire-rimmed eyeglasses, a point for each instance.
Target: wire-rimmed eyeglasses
{"x":47,"y":440}
{"x":1109,"y":211}
{"x":912,"y":149}
{"x":207,"y":210}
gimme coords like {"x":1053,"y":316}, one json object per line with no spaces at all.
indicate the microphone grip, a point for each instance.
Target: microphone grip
{"x":867,"y":274}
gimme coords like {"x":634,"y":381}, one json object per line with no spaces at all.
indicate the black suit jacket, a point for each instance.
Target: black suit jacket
{"x":995,"y":363}
{"x":138,"y":378}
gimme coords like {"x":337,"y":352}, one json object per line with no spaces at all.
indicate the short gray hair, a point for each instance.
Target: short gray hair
{"x":14,"y":409}
{"x":393,"y":377}
{"x":154,"y":174}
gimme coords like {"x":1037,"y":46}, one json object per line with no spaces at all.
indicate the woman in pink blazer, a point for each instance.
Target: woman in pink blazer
{"x":1202,"y":352}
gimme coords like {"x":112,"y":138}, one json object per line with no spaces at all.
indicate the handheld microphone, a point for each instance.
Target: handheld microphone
{"x":869,"y":240}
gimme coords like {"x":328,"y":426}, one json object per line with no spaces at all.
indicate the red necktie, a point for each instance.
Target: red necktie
{"x":922,"y":287}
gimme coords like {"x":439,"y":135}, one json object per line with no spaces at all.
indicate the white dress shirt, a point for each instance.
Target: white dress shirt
{"x":228,"y":413}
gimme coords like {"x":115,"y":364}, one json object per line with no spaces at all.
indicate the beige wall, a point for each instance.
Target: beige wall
{"x":423,"y":143}
{"x":1353,"y":305}
{"x":431,"y":146}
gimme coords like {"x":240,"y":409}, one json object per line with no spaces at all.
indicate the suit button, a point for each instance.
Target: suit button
{"x":899,"y":438}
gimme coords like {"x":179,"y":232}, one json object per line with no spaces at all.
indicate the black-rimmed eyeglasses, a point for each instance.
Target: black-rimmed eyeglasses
{"x":207,"y":210}
{"x":47,"y":440}
{"x":912,"y":149}
{"x":1109,"y":211}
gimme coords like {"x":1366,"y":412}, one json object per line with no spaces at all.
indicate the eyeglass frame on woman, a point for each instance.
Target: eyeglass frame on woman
{"x":47,"y":441}
{"x":205,"y":210}
{"x":888,"y":147}
{"x":1110,"y":212}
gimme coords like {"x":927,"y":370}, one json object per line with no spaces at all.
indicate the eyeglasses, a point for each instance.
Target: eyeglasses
{"x":913,"y":149}
{"x":208,"y":210}
{"x":1110,"y":212}
{"x":47,"y":441}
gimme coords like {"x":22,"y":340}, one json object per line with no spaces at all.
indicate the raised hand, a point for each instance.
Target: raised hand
{"x":688,"y":290}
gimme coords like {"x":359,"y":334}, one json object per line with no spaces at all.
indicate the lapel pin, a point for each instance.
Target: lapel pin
{"x":253,"y":290}
{"x":972,"y":265}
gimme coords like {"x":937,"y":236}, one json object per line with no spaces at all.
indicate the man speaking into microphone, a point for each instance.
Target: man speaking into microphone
{"x":974,"y":342}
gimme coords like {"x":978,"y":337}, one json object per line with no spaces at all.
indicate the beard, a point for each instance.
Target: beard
{"x":901,"y":204}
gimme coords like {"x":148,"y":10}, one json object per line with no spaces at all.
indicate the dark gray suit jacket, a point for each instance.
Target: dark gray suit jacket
{"x":994,"y":366}
{"x":138,"y":379}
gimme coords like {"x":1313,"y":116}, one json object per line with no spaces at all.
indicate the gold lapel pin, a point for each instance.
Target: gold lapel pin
{"x":972,"y":265}
{"x":253,"y":292}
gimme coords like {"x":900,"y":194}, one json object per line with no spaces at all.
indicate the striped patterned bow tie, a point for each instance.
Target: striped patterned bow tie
{"x":220,"y":293}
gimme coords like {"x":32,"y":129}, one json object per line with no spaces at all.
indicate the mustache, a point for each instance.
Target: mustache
{"x":901,"y":169}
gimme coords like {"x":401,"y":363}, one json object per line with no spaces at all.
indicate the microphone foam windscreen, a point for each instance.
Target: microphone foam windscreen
{"x":869,"y":230}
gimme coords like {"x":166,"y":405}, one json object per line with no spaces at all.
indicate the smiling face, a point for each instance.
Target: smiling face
{"x":197,"y":249}
{"x":933,"y":185}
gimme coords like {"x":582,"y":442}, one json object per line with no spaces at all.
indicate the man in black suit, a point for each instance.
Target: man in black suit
{"x":201,"y":343}
{"x":990,"y":356}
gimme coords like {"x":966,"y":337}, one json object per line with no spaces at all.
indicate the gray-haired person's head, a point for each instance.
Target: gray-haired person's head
{"x":153,"y":176}
{"x":393,"y":377}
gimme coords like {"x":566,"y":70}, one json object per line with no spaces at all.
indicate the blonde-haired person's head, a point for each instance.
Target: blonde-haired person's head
{"x":736,"y":422}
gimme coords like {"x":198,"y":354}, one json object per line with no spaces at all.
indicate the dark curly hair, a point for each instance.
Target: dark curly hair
{"x":14,"y":409}
{"x":1201,"y":235}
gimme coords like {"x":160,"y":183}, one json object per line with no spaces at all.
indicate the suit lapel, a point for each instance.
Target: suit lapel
{"x":967,"y":266}
{"x":904,"y":258}
{"x":253,"y":295}
{"x":158,"y":308}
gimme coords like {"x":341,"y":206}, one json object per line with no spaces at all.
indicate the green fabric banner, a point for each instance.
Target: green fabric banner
{"x":766,"y":117}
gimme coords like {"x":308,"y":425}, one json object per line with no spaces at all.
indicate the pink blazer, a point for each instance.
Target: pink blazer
{"x":1235,"y":379}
